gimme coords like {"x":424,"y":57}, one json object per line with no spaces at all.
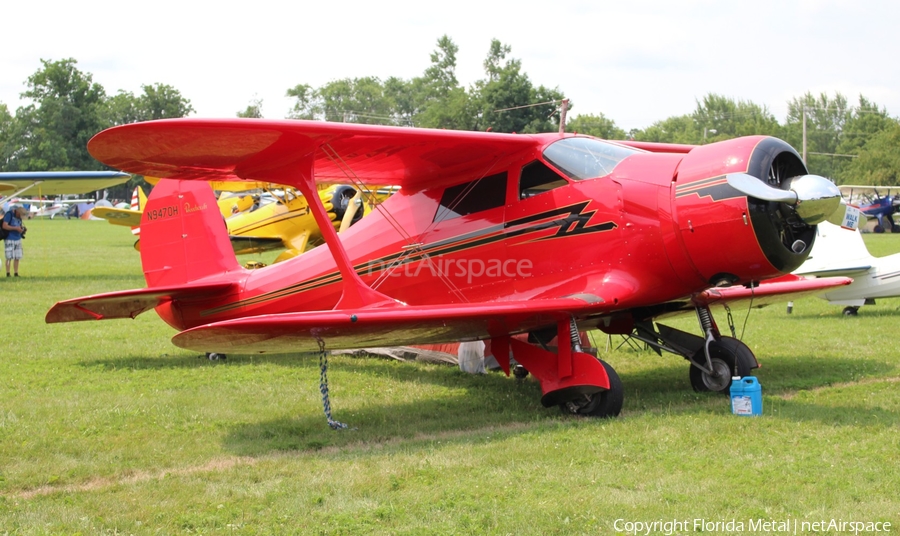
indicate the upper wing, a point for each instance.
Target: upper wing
{"x":850,"y":189}
{"x":60,"y":182}
{"x":390,"y":326}
{"x":656,"y":147}
{"x":258,"y":150}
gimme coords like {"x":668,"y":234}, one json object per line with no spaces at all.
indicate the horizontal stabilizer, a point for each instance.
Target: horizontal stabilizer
{"x":130,"y":303}
{"x":118,"y":216}
{"x":389,"y":326}
{"x":789,"y":287}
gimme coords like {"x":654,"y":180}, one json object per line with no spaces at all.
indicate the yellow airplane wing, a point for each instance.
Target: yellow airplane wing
{"x":59,"y":182}
{"x":118,"y":216}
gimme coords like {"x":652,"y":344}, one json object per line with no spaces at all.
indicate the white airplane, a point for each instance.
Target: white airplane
{"x":842,"y":252}
{"x":41,"y":208}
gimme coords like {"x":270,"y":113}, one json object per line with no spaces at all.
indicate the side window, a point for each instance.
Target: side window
{"x":474,"y":196}
{"x":537,"y":178}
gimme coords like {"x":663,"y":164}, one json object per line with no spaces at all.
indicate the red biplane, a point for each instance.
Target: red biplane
{"x":490,"y":236}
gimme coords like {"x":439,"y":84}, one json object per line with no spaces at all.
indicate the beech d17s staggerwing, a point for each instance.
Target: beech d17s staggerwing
{"x":490,"y":236}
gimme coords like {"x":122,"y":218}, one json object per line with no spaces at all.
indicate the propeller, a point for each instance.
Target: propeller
{"x":814,"y":198}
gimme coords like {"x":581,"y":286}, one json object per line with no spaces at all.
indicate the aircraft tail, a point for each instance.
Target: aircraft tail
{"x":138,"y":199}
{"x":183,"y":235}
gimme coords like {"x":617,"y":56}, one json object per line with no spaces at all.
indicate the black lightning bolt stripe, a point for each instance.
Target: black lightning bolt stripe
{"x":570,"y":220}
{"x":715,"y":187}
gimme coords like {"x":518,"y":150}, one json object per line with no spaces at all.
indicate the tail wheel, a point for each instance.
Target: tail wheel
{"x":728,"y":357}
{"x":604,"y":404}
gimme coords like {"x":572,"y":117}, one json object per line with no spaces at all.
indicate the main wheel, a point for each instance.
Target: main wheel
{"x":728,"y":357}
{"x":604,"y":404}
{"x":215,"y":356}
{"x":850,"y":311}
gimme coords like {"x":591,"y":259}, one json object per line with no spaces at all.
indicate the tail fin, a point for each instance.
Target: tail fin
{"x":138,"y":199}
{"x":183,"y":235}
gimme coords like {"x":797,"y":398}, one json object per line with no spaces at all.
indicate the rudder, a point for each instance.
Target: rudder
{"x":183,"y":235}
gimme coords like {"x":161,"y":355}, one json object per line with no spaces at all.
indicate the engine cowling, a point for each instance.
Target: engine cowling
{"x":735,"y":231}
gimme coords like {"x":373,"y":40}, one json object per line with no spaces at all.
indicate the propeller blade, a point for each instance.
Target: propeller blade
{"x":753,"y":187}
{"x":817,"y":198}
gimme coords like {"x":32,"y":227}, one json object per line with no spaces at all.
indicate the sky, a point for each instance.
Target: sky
{"x":635,"y":61}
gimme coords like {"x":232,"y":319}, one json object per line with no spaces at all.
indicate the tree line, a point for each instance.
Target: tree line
{"x":849,"y":143}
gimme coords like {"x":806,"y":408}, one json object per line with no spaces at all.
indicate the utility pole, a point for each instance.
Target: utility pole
{"x":564,"y":107}
{"x":804,"y":134}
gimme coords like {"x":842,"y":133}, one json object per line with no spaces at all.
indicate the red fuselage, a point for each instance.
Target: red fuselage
{"x":658,"y":228}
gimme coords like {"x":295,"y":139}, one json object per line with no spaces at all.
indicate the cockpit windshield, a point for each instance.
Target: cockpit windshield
{"x":586,"y":158}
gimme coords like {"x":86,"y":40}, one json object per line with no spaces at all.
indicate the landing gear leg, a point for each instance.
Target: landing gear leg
{"x":714,"y":358}
{"x":577,"y":382}
{"x":604,"y":404}
{"x":727,"y":357}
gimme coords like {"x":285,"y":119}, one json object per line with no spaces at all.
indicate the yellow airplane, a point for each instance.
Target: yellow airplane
{"x":275,"y":217}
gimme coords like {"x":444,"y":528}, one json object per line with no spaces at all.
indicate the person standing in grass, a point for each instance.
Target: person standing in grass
{"x":12,"y":222}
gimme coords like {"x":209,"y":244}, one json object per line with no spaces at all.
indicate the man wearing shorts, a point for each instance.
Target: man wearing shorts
{"x":12,"y":222}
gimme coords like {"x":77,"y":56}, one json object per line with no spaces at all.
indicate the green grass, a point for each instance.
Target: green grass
{"x":106,"y":428}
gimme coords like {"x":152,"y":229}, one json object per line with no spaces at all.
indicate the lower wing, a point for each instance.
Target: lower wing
{"x":389,"y":326}
{"x":787,"y":287}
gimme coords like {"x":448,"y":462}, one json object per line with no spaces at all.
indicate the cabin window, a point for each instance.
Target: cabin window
{"x":471,"y":197}
{"x":586,"y":158}
{"x":537,"y":178}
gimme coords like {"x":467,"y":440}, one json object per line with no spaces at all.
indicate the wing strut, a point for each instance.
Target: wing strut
{"x":356,"y":293}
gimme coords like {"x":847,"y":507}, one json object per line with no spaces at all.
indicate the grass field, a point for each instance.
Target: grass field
{"x":106,"y":428}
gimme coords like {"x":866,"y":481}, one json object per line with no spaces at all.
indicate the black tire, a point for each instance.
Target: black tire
{"x":728,"y":356}
{"x":878,"y":229}
{"x":215,"y":356}
{"x":603,"y":405}
{"x":850,"y":311}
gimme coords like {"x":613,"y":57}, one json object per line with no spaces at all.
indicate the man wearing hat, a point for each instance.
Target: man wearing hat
{"x":12,"y":222}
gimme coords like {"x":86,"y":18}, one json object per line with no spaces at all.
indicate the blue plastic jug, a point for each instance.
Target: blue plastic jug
{"x":746,"y":396}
